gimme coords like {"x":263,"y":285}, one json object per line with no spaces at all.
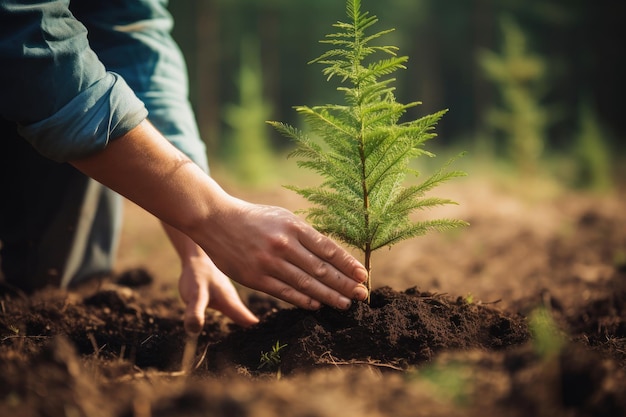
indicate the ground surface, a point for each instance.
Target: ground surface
{"x":448,"y":332}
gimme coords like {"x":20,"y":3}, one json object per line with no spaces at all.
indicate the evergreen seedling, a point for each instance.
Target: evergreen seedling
{"x":366,"y":149}
{"x":518,"y":74}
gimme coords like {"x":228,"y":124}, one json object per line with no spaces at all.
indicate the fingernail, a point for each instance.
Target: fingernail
{"x":360,"y":293}
{"x":361,"y":275}
{"x":344,"y":303}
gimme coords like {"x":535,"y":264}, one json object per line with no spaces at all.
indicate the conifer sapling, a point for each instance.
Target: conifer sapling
{"x":365,"y":150}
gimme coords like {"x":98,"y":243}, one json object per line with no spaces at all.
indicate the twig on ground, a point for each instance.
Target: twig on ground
{"x":369,"y":362}
{"x":189,"y":353}
{"x":94,"y":344}
{"x":17,"y":336}
{"x":202,"y":357}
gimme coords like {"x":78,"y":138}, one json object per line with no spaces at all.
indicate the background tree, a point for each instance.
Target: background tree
{"x":581,"y":38}
{"x":519,"y":75}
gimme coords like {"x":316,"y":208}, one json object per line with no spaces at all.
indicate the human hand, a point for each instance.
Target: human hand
{"x":271,"y":250}
{"x":262,"y":247}
{"x":203,"y":285}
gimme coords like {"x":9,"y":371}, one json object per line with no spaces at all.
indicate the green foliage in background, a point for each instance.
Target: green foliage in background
{"x":366,"y":149}
{"x":591,"y":153}
{"x":519,"y":76}
{"x":546,"y":337}
{"x":578,"y":36}
{"x":450,"y":382}
{"x":248,"y":153}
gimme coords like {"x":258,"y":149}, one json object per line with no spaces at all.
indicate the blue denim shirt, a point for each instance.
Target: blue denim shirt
{"x":74,"y":76}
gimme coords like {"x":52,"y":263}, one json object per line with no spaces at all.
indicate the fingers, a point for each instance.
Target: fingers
{"x":211,"y":288}
{"x":307,"y":269}
{"x":287,"y":290}
{"x":229,"y":305}
{"x":332,"y":278}
{"x":224,"y":298}
{"x":331,"y":265}
{"x":197,"y":300}
{"x":270,"y":249}
{"x":239,"y":314}
{"x":309,"y":290}
{"x":327,"y":250}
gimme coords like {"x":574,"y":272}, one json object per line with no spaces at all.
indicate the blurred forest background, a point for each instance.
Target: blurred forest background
{"x":537,"y":83}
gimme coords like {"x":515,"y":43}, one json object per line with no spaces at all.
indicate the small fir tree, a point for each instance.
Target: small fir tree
{"x":249,"y":151}
{"x":519,"y":76}
{"x":592,"y":153}
{"x":366,"y":150}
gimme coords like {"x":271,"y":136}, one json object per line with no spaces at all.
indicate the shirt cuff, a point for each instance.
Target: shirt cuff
{"x":106,"y":110}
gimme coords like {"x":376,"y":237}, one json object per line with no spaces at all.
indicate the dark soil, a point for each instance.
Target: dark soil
{"x":396,"y":330}
{"x":459,"y":344}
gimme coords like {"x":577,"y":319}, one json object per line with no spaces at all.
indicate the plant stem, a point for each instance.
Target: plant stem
{"x":368,"y":255}
{"x":366,"y":205}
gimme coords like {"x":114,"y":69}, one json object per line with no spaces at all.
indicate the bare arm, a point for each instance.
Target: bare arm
{"x":263,"y":247}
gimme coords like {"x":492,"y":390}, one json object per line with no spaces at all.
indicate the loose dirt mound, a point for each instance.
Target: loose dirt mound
{"x":397,"y":329}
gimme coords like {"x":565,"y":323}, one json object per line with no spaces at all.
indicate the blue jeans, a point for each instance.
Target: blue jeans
{"x":58,"y":226}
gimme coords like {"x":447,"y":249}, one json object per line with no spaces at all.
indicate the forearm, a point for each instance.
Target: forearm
{"x":145,"y":168}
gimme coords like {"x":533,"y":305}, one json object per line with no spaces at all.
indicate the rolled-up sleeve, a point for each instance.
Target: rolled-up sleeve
{"x":54,"y":86}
